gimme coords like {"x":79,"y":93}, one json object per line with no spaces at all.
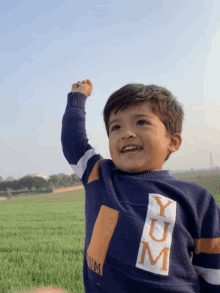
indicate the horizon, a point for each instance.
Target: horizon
{"x":170,"y":171}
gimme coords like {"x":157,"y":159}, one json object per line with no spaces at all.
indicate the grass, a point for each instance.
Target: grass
{"x":42,"y":241}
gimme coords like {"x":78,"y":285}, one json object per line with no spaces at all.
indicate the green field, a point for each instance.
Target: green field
{"x":42,"y":239}
{"x":210,"y":180}
{"x":42,"y":242}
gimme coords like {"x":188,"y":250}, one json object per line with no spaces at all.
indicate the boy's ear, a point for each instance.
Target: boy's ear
{"x":175,"y":143}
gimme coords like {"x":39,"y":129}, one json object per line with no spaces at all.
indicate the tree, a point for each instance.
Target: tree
{"x":9,"y":178}
{"x":29,"y":182}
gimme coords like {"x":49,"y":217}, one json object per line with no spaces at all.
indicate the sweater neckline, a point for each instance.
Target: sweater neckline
{"x":162,"y":174}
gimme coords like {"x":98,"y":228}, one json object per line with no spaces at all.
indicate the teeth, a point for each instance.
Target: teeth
{"x":130,"y":148}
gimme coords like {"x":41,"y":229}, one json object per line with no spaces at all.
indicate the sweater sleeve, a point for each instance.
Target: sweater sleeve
{"x":76,"y":149}
{"x":206,"y":257}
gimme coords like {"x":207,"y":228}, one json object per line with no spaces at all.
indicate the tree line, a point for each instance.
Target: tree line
{"x":32,"y":183}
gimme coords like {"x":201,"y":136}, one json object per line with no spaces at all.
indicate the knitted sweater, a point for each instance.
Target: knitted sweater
{"x":141,"y":228}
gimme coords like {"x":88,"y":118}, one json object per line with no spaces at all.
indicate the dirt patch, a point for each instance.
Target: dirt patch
{"x":54,"y":191}
{"x":2,"y":198}
{"x":42,"y":290}
{"x":68,"y":189}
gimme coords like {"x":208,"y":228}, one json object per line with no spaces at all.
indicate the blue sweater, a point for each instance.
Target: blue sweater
{"x":141,"y":228}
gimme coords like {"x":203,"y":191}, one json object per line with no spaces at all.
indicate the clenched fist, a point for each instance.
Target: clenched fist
{"x":85,"y":87}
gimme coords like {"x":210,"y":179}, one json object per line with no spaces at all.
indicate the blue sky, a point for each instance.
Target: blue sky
{"x":46,"y":46}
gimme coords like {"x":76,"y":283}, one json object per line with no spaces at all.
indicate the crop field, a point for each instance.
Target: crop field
{"x":42,"y":242}
{"x":42,"y":239}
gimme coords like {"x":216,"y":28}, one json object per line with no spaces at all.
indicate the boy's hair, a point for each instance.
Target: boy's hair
{"x":162,"y":103}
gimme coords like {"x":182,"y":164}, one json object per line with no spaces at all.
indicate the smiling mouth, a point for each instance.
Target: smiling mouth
{"x":132,"y":151}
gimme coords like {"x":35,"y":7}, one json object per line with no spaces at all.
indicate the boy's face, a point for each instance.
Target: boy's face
{"x":150,"y":135}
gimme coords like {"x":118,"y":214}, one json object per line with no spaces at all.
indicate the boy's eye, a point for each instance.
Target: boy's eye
{"x":138,"y":122}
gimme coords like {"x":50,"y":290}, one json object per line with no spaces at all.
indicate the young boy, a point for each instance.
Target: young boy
{"x":141,"y":223}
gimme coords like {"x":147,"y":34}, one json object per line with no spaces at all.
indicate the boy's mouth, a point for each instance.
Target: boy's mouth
{"x":132,"y":151}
